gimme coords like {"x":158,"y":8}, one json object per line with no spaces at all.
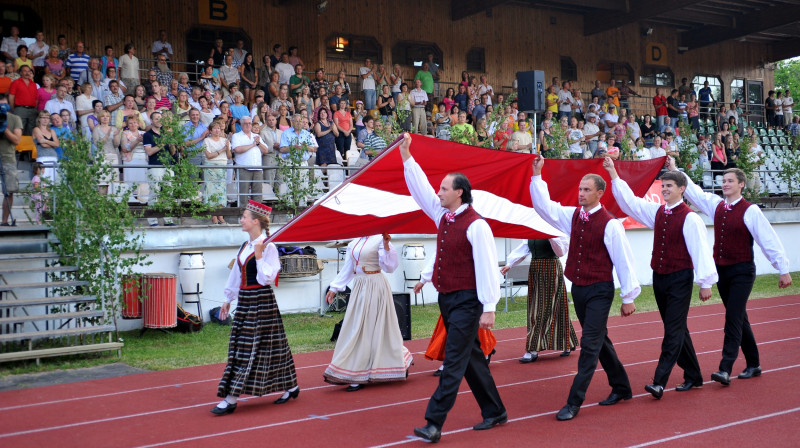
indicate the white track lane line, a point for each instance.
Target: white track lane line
{"x":350,"y":411}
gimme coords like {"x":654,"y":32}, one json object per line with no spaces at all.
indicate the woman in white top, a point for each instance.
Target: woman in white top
{"x":217,"y":152}
{"x":259,"y":359}
{"x":83,"y":107}
{"x":370,"y":346}
{"x":106,"y":138}
{"x":133,"y":154}
{"x":636,"y":131}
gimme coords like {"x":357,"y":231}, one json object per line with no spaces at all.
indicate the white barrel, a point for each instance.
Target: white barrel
{"x":413,"y":259}
{"x":191,"y":272}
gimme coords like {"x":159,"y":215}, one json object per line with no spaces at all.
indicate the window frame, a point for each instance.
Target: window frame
{"x":699,"y":85}
{"x":646,"y":70}
{"x":400,"y":53}
{"x":573,"y":67}
{"x":356,"y":48}
{"x":472,"y":68}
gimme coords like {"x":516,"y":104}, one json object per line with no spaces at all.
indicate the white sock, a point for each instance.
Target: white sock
{"x":354,"y":385}
{"x":441,"y":367}
{"x":231,"y":399}
{"x":223,"y":404}
{"x":529,"y":355}
{"x":294,"y":389}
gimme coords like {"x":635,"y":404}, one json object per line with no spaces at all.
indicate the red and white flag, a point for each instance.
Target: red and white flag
{"x":376,"y":199}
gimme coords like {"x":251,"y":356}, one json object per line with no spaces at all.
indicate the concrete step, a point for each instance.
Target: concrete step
{"x":40,"y":269}
{"x":30,"y":256}
{"x":53,"y":316}
{"x":61,"y":351}
{"x":57,"y":284}
{"x":34,"y":335}
{"x":57,"y":300}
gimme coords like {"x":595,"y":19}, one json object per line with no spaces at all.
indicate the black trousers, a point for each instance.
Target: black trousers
{"x":735,"y":284}
{"x":463,"y":358}
{"x":592,"y":304}
{"x":674,"y":295}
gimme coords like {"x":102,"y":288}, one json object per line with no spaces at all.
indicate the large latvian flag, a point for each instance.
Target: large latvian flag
{"x":376,"y":200}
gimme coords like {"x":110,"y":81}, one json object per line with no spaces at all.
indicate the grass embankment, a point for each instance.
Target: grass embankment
{"x":307,"y":332}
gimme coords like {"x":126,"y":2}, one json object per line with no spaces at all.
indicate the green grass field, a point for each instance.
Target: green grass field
{"x":308,"y":332}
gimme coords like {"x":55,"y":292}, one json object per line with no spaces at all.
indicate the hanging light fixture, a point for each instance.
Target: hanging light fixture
{"x":340,"y":43}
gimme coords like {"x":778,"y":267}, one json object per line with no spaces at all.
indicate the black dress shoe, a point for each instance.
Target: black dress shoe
{"x":491,"y":422}
{"x":749,"y":373}
{"x":655,"y":390}
{"x":429,"y":432}
{"x":615,"y":398}
{"x":722,"y":378}
{"x":568,"y":412}
{"x":489,"y":358}
{"x":526,"y":360}
{"x":437,"y":372}
{"x":292,"y":394}
{"x":689,"y":385}
{"x":353,"y":388}
{"x":566,"y":353}
{"x":224,"y":411}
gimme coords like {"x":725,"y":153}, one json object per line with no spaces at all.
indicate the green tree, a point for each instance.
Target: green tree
{"x":787,"y":76}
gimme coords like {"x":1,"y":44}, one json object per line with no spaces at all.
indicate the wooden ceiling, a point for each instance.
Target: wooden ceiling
{"x":699,"y":23}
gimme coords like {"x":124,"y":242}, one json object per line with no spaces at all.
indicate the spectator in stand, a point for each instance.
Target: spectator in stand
{"x":449,"y":99}
{"x":367,"y":73}
{"x":736,"y":109}
{"x":591,"y":133}
{"x":633,"y":126}
{"x":181,"y":107}
{"x":612,"y":93}
{"x":778,"y":109}
{"x":565,"y":101}
{"x":63,"y":49}
{"x":157,"y":153}
{"x":247,"y":149}
{"x":129,"y":110}
{"x":344,"y":123}
{"x":479,"y":110}
{"x":625,"y":92}
{"x":610,"y":118}
{"x":326,"y":133}
{"x":239,"y":111}
{"x":318,"y":83}
{"x":442,"y":122}
{"x":386,"y":105}
{"x":485,"y":88}
{"x":298,"y":81}
{"x":54,"y":66}
{"x":161,"y":47}
{"x":271,"y":136}
{"x":9,"y":139}
{"x":108,"y":60}
{"x":769,"y":106}
{"x":418,"y":98}
{"x":208,"y":81}
{"x":381,"y":79}
{"x":274,"y":87}
{"x":574,"y":139}
{"x":794,"y":128}
{"x":83,"y":107}
{"x":106,"y":139}
{"x":304,"y":101}
{"x":463,"y":132}
{"x":722,"y":117}
{"x":336,"y":97}
{"x":77,"y":62}
{"x":662,"y":112}
{"x":148,"y":83}
{"x":113,"y":99}
{"x":263,"y":74}
{"x":599,"y":93}
{"x":22,"y":59}
{"x":706,"y":97}
{"x":474,"y":94}
{"x":5,"y":81}
{"x":788,"y":111}
{"x":62,"y":128}
{"x":163,"y":72}
{"x":134,"y":155}
{"x":162,"y":101}
{"x":648,"y":130}
{"x":462,"y":97}
{"x":284,"y":69}
{"x":294,"y":59}
{"x":693,"y":112}
{"x":275,"y":57}
{"x":521,"y":140}
{"x":11,"y":44}
{"x":22,"y":98}
{"x":684,"y":88}
{"x":46,"y":142}
{"x":404,"y":108}
{"x":342,"y":81}
{"x":296,"y":138}
{"x":217,"y":53}
{"x":228,"y":74}
{"x":551,"y":100}
{"x":96,"y":79}
{"x":501,"y":137}
{"x":369,"y":142}
{"x":129,"y":67}
{"x":673,"y":108}
{"x":217,"y":151}
{"x":46,"y":92}
{"x":239,"y":53}
{"x":683,"y":115}
{"x":59,"y":102}
{"x":86,"y":76}
{"x":196,"y":133}
{"x":249,"y":77}
{"x":283,"y":100}
{"x":577,"y":105}
{"x":396,"y":80}
{"x":38,"y":52}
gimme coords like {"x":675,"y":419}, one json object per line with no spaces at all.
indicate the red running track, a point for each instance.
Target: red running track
{"x":171,"y":408}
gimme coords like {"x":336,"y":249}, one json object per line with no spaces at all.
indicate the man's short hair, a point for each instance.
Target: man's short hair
{"x":599,"y":182}
{"x":460,"y":182}
{"x":740,"y":176}
{"x":367,"y":119}
{"x":674,"y":176}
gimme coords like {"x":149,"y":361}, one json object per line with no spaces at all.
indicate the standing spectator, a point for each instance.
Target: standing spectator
{"x":84,"y":108}
{"x":684,"y":89}
{"x":575,"y":139}
{"x":610,"y":118}
{"x":368,"y":84}
{"x":263,"y":74}
{"x":294,"y":59}
{"x":113,"y":99}
{"x":591,"y":133}
{"x":326,"y":133}
{"x":54,"y":66}
{"x":239,"y":53}
{"x":77,"y":62}
{"x":157,"y":155}
{"x":271,"y":136}
{"x":98,"y":86}
{"x":344,"y":123}
{"x":565,"y":101}
{"x":217,"y":55}
{"x":22,"y":58}
{"x":38,"y":52}
{"x":129,"y":109}
{"x":22,"y":99}
{"x":484,"y":87}
{"x":148,"y":83}
{"x":228,"y":74}
{"x":135,"y":156}
{"x":769,"y":106}
{"x":108,"y":60}
{"x":9,"y":139}
{"x":129,"y":67}
{"x":86,"y":76}
{"x":217,"y":152}
{"x":442,"y":122}
{"x":683,"y":114}
{"x":319,"y":82}
{"x":404,"y":107}
{"x":577,"y":105}
{"x":239,"y":111}
{"x":369,"y":142}
{"x":788,"y":111}
{"x":208,"y":81}
{"x":778,"y":109}
{"x":248,"y":148}
{"x":163,"y":73}
{"x":45,"y":92}
{"x":162,"y":102}
{"x":196,"y":133}
{"x":161,"y":46}
{"x":625,"y":92}
{"x":433,"y":67}
{"x":275,"y":57}
{"x":342,"y":81}
{"x":283,"y":100}
{"x":58,"y":102}
{"x":296,"y":137}
{"x":10,"y":45}
{"x":693,"y":112}
{"x":461,"y":97}
{"x":612,"y":93}
{"x":419,"y":99}
{"x":706,"y":97}
{"x":285,"y":69}
{"x":599,"y":92}
{"x":249,"y":76}
{"x":298,"y":81}
{"x":396,"y":80}
{"x":662,"y":113}
{"x":63,"y":49}
{"x":673,"y":108}
{"x":551,"y":100}
{"x":449,"y":99}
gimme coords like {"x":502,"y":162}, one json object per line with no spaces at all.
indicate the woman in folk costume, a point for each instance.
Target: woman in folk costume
{"x":370,"y":345}
{"x":435,"y":350}
{"x":549,"y":326}
{"x":259,"y":359}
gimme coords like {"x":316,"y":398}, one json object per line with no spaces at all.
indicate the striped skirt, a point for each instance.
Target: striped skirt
{"x":259,"y":359}
{"x":549,"y":326}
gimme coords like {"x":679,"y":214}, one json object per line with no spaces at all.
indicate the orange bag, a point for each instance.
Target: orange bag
{"x":435,"y":351}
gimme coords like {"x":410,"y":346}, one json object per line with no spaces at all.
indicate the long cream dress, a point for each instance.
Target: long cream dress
{"x":370,"y":346}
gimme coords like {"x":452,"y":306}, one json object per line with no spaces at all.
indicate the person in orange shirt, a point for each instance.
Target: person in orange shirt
{"x":612,"y":92}
{"x":5,"y":81}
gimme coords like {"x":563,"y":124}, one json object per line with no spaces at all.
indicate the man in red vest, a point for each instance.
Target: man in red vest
{"x":465,"y":274}
{"x":680,"y":253}
{"x":597,"y":246}
{"x":737,"y":223}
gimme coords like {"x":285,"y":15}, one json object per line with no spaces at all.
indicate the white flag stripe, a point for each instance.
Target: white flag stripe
{"x":358,"y":200}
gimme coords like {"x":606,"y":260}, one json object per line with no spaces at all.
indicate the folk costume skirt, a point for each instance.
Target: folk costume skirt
{"x":259,"y":359}
{"x":435,"y":351}
{"x":370,"y":346}
{"x":549,"y":326}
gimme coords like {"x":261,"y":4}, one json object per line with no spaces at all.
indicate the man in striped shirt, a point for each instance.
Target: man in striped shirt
{"x":77,"y":62}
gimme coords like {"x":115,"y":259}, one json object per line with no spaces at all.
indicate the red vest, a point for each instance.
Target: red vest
{"x":454,"y":269}
{"x":588,"y":260}
{"x":733,"y":242}
{"x":669,"y":247}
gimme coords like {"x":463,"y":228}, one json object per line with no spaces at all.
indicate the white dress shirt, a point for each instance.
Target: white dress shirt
{"x":387,"y":260}
{"x":559,"y":244}
{"x":614,"y":238}
{"x":250,"y":158}
{"x":755,"y":221}
{"x":484,"y":253}
{"x":268,"y":267}
{"x":694,"y":231}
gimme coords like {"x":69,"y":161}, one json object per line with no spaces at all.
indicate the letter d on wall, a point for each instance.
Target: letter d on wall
{"x":655,"y":54}
{"x":218,"y":12}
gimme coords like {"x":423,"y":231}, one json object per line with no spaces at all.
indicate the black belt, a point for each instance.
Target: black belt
{"x":26,"y":107}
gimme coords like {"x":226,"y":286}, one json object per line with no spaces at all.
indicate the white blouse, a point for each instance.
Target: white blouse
{"x":387,"y":260}
{"x":268,"y":267}
{"x":559,"y":244}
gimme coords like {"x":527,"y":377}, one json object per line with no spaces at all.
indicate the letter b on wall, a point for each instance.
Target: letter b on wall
{"x":219,"y":12}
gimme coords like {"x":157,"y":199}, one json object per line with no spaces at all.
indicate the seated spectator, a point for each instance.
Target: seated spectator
{"x":613,"y":146}
{"x":182,"y":107}
{"x":341,"y":81}
{"x":369,"y":142}
{"x":162,"y":101}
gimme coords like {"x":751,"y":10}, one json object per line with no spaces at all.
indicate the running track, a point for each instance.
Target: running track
{"x":171,"y":408}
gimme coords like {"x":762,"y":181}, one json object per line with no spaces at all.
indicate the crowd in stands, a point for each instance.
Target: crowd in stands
{"x":248,"y":111}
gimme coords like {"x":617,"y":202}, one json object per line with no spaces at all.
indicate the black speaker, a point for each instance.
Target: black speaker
{"x":531,"y":90}
{"x":402,"y":304}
